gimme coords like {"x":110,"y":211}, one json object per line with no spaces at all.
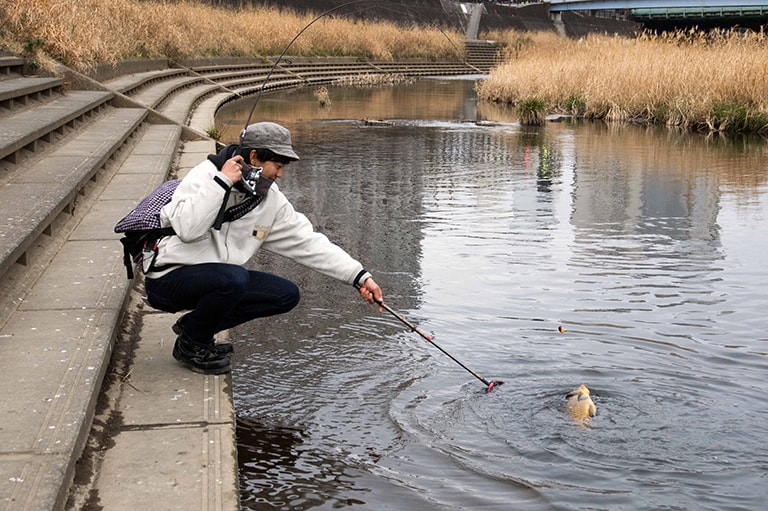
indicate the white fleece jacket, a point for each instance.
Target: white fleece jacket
{"x":273,"y":225}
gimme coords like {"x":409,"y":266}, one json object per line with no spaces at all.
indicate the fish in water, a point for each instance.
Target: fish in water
{"x":579,"y":405}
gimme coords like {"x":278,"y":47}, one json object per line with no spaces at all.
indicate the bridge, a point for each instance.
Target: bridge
{"x":668,"y":13}
{"x":597,"y":5}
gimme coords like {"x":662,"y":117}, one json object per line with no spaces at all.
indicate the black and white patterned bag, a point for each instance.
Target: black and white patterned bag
{"x":141,"y":228}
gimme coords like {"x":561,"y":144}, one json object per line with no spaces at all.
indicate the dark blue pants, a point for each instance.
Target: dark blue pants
{"x":220,"y":296}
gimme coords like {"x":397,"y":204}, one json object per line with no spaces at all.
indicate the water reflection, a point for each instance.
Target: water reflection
{"x":438,"y":99}
{"x":644,"y":244}
{"x":280,"y":472}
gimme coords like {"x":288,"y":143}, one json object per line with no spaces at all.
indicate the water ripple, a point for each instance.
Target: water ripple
{"x":550,"y":257}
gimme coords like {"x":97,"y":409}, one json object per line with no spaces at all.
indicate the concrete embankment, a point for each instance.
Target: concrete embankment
{"x":89,"y":392}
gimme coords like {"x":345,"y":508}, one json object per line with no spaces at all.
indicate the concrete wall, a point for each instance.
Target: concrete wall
{"x":577,"y":25}
{"x":444,"y":13}
{"x":524,"y":18}
{"x":449,"y":14}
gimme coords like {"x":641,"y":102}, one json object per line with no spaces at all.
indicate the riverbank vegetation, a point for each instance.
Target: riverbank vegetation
{"x":696,"y":81}
{"x":710,"y":82}
{"x":82,"y":34}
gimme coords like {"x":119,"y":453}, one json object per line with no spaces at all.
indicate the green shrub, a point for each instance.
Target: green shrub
{"x":532,"y":111}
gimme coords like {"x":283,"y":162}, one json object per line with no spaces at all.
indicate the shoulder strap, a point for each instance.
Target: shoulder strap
{"x":133,"y":242}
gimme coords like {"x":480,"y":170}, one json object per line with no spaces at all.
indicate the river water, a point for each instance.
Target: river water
{"x":647,"y":246}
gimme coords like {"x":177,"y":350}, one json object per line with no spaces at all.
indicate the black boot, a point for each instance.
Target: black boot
{"x":219,"y":348}
{"x":200,"y":359}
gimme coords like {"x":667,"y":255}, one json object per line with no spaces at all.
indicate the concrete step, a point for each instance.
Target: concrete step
{"x":292,"y":72}
{"x":19,"y":91}
{"x":131,"y":83}
{"x":11,"y":65}
{"x":425,"y":68}
{"x":325,"y":68}
{"x":64,"y":311}
{"x":326,"y":73}
{"x":179,"y":107}
{"x":156,"y":94}
{"x":57,"y":344}
{"x":36,"y":194}
{"x":483,"y":54}
{"x":25,"y":130}
{"x":247,"y":86}
{"x":73,"y":165}
{"x":240,"y":76}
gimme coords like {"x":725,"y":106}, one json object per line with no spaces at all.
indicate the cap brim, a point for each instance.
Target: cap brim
{"x":286,"y":152}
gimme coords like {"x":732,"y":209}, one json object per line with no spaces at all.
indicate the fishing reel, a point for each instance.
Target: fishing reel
{"x":250,"y":176}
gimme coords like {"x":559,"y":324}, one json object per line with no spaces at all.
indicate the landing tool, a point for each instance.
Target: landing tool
{"x":490,"y":385}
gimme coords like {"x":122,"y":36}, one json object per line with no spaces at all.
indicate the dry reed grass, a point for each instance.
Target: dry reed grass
{"x":84,"y":33}
{"x":691,"y":80}
{"x":323,"y":96}
{"x":715,"y":82}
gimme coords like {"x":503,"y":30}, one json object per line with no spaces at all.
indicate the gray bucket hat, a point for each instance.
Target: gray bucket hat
{"x":268,"y":135}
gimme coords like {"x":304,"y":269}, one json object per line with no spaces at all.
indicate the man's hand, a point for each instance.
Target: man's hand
{"x":371,"y":292}
{"x":233,"y":168}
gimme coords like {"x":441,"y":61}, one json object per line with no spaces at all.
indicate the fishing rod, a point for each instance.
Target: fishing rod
{"x":488,"y":384}
{"x":387,"y":6}
{"x":378,"y":3}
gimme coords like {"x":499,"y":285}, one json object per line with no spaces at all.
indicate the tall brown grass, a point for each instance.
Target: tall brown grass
{"x":692,"y":80}
{"x":83,"y":33}
{"x":715,"y":82}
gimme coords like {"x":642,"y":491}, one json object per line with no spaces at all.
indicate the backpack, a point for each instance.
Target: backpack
{"x":142,"y":231}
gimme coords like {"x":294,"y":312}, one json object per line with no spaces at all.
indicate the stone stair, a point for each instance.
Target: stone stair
{"x":62,"y":285}
{"x":484,"y":55}
{"x":76,"y":154}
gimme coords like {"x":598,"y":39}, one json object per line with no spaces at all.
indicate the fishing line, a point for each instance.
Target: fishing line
{"x":489,"y":384}
{"x":384,"y":5}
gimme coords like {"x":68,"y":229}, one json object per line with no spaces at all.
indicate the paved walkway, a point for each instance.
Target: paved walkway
{"x":169,"y":436}
{"x":163,"y":437}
